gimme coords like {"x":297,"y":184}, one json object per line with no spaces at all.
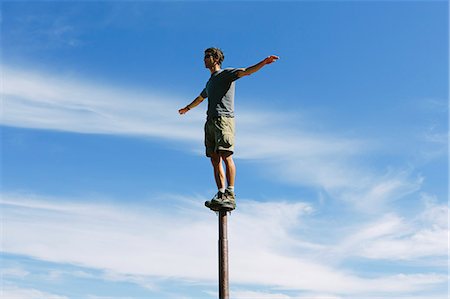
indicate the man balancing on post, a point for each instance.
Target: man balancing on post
{"x":219,"y":127}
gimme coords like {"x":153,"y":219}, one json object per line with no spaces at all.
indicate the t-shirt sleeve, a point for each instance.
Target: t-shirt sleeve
{"x":233,"y":74}
{"x":204,"y":94}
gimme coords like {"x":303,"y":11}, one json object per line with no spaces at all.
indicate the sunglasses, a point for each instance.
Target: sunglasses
{"x":208,"y":55}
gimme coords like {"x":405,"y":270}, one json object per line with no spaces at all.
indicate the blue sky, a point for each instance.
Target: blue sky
{"x":341,"y":150}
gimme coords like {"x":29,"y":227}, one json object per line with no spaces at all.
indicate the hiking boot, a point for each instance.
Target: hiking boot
{"x":229,"y":201}
{"x":218,"y":198}
{"x":229,"y":195}
{"x":216,"y":202}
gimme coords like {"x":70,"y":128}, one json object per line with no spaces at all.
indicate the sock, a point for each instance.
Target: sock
{"x":222,"y":190}
{"x":230,"y":188}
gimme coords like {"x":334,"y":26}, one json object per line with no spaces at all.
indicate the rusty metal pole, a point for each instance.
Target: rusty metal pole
{"x":223,"y":256}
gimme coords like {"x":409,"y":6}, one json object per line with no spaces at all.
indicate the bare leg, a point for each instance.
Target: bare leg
{"x":230,"y":167}
{"x":219,"y":176}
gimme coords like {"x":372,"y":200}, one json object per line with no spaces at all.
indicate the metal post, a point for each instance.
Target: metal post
{"x":223,"y":256}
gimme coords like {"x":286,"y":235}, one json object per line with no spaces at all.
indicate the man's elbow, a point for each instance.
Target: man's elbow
{"x":243,"y":73}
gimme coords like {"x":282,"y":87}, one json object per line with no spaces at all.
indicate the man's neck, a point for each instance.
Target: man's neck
{"x":214,"y":68}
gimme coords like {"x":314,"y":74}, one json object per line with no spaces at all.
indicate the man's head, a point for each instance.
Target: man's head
{"x":213,"y":55}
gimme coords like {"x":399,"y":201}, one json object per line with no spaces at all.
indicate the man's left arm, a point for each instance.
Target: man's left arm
{"x":254,"y":68}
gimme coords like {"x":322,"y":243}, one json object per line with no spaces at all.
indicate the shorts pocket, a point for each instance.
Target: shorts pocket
{"x":227,"y":140}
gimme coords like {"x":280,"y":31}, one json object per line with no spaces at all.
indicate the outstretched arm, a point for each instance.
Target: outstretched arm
{"x":194,"y":103}
{"x":254,"y":68}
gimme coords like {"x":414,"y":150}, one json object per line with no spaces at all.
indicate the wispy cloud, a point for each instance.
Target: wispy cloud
{"x":326,"y":160}
{"x":374,"y":192}
{"x":14,"y":272}
{"x":264,"y":251}
{"x":426,"y":235}
{"x":395,"y":238}
{"x":45,"y":101}
{"x":14,"y":292}
{"x":41,"y":29}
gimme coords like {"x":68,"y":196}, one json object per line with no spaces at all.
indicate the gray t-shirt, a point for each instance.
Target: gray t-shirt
{"x":220,"y":93}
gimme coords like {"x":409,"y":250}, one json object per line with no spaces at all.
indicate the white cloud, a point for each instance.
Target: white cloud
{"x":181,"y":243}
{"x":135,"y":243}
{"x":424,"y":236}
{"x":46,"y":101}
{"x":258,"y":295}
{"x":396,"y":238}
{"x":14,"y":272}
{"x":242,"y":294}
{"x":326,"y":160}
{"x":390,"y":187}
{"x":108,"y":297}
{"x":14,"y":292}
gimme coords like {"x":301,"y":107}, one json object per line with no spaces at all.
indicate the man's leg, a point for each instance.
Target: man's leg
{"x":229,"y":201}
{"x":230,"y":167}
{"x":219,"y":176}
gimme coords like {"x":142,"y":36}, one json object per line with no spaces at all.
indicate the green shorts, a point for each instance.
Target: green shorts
{"x":219,"y":135}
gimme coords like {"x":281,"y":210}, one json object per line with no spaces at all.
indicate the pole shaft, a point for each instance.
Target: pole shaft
{"x":223,"y":256}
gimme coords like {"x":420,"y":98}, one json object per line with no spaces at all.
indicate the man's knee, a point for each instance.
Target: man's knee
{"x":226,"y":156}
{"x":215,"y":159}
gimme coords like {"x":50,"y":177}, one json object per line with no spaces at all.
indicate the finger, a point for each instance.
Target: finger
{"x":271,"y":58}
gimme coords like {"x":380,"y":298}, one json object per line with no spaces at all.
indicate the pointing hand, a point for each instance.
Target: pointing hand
{"x":271,"y":59}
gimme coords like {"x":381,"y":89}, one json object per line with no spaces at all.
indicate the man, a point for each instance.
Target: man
{"x":219,"y":127}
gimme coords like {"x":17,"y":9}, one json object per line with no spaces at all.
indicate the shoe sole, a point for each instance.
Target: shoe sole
{"x":220,"y":207}
{"x":227,"y":207}
{"x":212,"y":206}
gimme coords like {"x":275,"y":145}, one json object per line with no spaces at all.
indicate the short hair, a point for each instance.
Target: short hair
{"x":216,"y":53}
